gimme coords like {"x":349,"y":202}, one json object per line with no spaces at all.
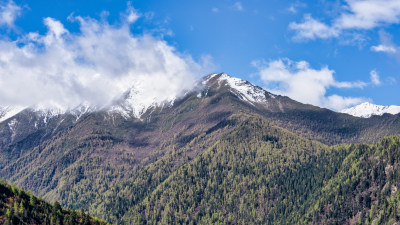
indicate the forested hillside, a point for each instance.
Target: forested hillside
{"x":261,"y":174}
{"x":365,"y":190}
{"x":213,"y":156}
{"x":20,"y":207}
{"x":258,"y":174}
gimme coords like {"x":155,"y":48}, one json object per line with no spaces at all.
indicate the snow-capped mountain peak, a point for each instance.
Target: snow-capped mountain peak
{"x":242,"y":88}
{"x":134,"y":103}
{"x":137,"y":100}
{"x":366,"y":110}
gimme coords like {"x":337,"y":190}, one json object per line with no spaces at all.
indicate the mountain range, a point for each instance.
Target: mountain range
{"x":133,"y":104}
{"x":225,"y":152}
{"x":366,"y":110}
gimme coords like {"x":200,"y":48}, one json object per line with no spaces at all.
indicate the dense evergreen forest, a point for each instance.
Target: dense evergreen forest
{"x":261,"y":174}
{"x":20,"y":207}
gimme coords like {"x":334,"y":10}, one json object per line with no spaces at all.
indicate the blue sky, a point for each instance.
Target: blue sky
{"x":334,"y":54}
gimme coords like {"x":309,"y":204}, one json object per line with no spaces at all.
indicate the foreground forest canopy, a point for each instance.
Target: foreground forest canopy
{"x":20,"y":207}
{"x":211,"y":157}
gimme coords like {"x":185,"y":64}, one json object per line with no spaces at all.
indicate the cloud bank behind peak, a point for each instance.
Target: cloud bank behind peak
{"x":300,"y":81}
{"x":95,"y":65}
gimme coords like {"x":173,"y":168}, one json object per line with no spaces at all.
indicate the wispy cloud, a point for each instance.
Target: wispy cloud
{"x":312,"y":29}
{"x":95,"y":65}
{"x":131,"y":15}
{"x":386,"y":45}
{"x":214,"y":10}
{"x":9,"y":12}
{"x":305,"y":84}
{"x":391,"y":80}
{"x":294,"y":7}
{"x":375,"y":77}
{"x":355,"y":15}
{"x":237,"y":6}
{"x":384,"y":48}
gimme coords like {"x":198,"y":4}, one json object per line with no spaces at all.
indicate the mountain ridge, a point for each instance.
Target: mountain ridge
{"x":366,"y":110}
{"x":133,"y":104}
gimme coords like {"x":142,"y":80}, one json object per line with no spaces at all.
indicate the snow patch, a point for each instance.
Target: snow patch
{"x":9,"y":111}
{"x":209,"y":77}
{"x":13,"y":127}
{"x":82,"y":109}
{"x":134,"y":103}
{"x":243,"y":89}
{"x":46,"y":112}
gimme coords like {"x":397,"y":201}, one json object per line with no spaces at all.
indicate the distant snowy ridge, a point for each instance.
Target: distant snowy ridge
{"x":131,"y":105}
{"x":45,"y":112}
{"x":134,"y":102}
{"x":366,"y":110}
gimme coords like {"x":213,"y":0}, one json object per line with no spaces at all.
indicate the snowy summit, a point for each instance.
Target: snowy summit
{"x":241,"y":88}
{"x":366,"y":110}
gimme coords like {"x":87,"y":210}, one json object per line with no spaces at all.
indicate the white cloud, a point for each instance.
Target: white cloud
{"x":214,"y":10}
{"x":305,"y":84}
{"x":293,"y":8}
{"x":340,"y":102}
{"x":375,"y":77}
{"x":312,"y":29}
{"x":384,"y":48}
{"x":9,"y":12}
{"x":55,"y":28}
{"x":237,"y":6}
{"x":356,"y":14}
{"x":131,"y":14}
{"x":368,"y":14}
{"x":95,"y":65}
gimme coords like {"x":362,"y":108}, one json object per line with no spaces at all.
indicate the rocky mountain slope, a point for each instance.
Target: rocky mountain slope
{"x":111,"y":161}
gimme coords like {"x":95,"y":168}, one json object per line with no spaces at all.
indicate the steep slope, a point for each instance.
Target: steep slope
{"x":306,"y":120}
{"x":109,"y":160}
{"x":8,"y":112}
{"x":365,"y":189}
{"x":256,"y":174}
{"x":85,"y":158}
{"x":19,"y":207}
{"x":366,"y":110}
{"x":262,"y":174}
